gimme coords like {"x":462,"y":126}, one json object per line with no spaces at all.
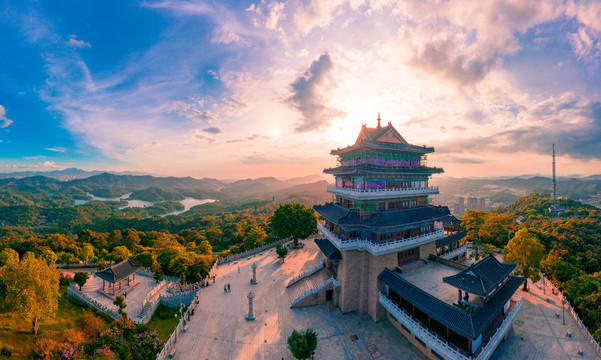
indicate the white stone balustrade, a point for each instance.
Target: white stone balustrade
{"x":307,"y":273}
{"x":460,"y":250}
{"x":441,"y":346}
{"x":331,"y":280}
{"x":365,"y":194}
{"x":383,"y":247}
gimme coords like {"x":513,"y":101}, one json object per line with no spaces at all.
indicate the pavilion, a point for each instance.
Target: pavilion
{"x":117,"y":274}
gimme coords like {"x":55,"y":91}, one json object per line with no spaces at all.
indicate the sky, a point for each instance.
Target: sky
{"x":238,"y":89}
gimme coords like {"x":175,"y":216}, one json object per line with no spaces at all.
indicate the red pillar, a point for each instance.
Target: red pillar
{"x":447,"y":334}
{"x":469,"y":343}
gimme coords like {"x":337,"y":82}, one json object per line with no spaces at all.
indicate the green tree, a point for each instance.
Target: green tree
{"x":66,"y":258}
{"x":145,"y":258}
{"x":205,"y":248}
{"x":49,"y":256}
{"x":120,"y":303}
{"x":86,"y":253}
{"x":8,"y":255}
{"x":156,"y":270}
{"x":253,"y":236}
{"x":179,"y":265}
{"x":526,"y":252}
{"x":302,"y":344}
{"x":557,"y":269}
{"x":282,"y":251}
{"x":80,"y":278}
{"x":31,"y":289}
{"x":120,"y":253}
{"x":293,"y":220}
{"x":473,"y":221}
{"x":495,"y":229}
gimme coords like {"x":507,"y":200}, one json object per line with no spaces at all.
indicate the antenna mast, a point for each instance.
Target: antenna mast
{"x":554,"y":195}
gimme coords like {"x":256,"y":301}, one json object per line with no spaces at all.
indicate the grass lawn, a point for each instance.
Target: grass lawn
{"x":16,"y":333}
{"x":163,"y":321}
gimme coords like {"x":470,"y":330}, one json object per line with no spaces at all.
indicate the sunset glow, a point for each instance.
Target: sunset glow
{"x":250,"y":89}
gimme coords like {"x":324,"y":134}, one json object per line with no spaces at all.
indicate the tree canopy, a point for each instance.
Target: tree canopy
{"x":526,"y":252}
{"x":302,"y":344}
{"x":30,"y":289}
{"x":293,"y":220}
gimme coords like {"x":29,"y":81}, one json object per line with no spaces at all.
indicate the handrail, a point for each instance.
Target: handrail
{"x":454,"y":253}
{"x":75,"y":292}
{"x":409,"y":190}
{"x":250,"y":252}
{"x":383,"y":247}
{"x":307,"y":273}
{"x":585,"y":332}
{"x":441,"y":346}
{"x":331,"y":280}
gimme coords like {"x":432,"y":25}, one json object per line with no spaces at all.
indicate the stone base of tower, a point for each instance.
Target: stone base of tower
{"x":358,"y":275}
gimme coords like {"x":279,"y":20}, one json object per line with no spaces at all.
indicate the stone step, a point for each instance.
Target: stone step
{"x":312,"y":281}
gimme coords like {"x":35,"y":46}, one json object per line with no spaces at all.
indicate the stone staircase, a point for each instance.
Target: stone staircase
{"x":416,"y":264}
{"x":313,"y":281}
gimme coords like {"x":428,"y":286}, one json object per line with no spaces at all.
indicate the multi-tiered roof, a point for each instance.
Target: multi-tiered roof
{"x":381,"y":193}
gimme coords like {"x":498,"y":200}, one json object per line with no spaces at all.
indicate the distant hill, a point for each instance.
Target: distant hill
{"x":66,"y":174}
{"x":503,"y":190}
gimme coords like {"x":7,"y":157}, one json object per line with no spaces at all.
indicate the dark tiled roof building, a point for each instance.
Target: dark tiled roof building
{"x":379,"y":233}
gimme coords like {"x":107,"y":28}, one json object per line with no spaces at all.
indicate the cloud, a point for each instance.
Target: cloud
{"x":439,"y":57}
{"x":194,"y":111}
{"x":572,"y":123}
{"x":212,"y":130}
{"x":49,"y":164}
{"x":4,"y":121}
{"x":77,"y":43}
{"x":310,"y":95}
{"x":57,"y":149}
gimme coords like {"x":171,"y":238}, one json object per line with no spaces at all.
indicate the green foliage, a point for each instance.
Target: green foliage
{"x":31,"y":289}
{"x":120,"y":253}
{"x":302,"y":344}
{"x":80,"y":278}
{"x":8,"y":256}
{"x":473,"y":221}
{"x":526,"y":252}
{"x":120,"y":303}
{"x":204,"y":247}
{"x":293,"y":220}
{"x":282,"y":251}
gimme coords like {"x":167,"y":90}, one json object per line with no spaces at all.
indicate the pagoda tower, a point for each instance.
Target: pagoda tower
{"x":380,"y":217}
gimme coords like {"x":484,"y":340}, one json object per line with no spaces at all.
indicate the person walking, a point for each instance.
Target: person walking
{"x":238,"y":269}
{"x":224,"y":288}
{"x":228,"y":287}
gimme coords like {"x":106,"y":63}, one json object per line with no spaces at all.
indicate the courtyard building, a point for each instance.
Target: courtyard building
{"x":389,"y":253}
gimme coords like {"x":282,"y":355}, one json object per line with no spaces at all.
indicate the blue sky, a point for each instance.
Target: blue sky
{"x":247,"y":89}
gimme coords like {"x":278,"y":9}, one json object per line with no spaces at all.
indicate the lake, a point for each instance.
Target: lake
{"x":188,"y":202}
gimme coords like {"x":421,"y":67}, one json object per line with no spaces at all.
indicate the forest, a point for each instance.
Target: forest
{"x":570,"y":247}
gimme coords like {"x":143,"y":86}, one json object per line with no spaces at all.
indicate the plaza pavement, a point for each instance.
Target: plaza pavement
{"x":219,"y":330}
{"x":539,"y":334}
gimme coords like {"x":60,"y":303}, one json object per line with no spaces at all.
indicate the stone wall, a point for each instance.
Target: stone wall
{"x":426,"y":249}
{"x":319,"y":297}
{"x":412,"y":339}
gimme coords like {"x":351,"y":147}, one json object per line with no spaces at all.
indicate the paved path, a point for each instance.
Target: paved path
{"x":539,"y":334}
{"x":219,"y":330}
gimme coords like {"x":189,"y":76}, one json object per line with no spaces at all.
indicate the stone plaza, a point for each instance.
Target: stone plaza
{"x":219,"y":329}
